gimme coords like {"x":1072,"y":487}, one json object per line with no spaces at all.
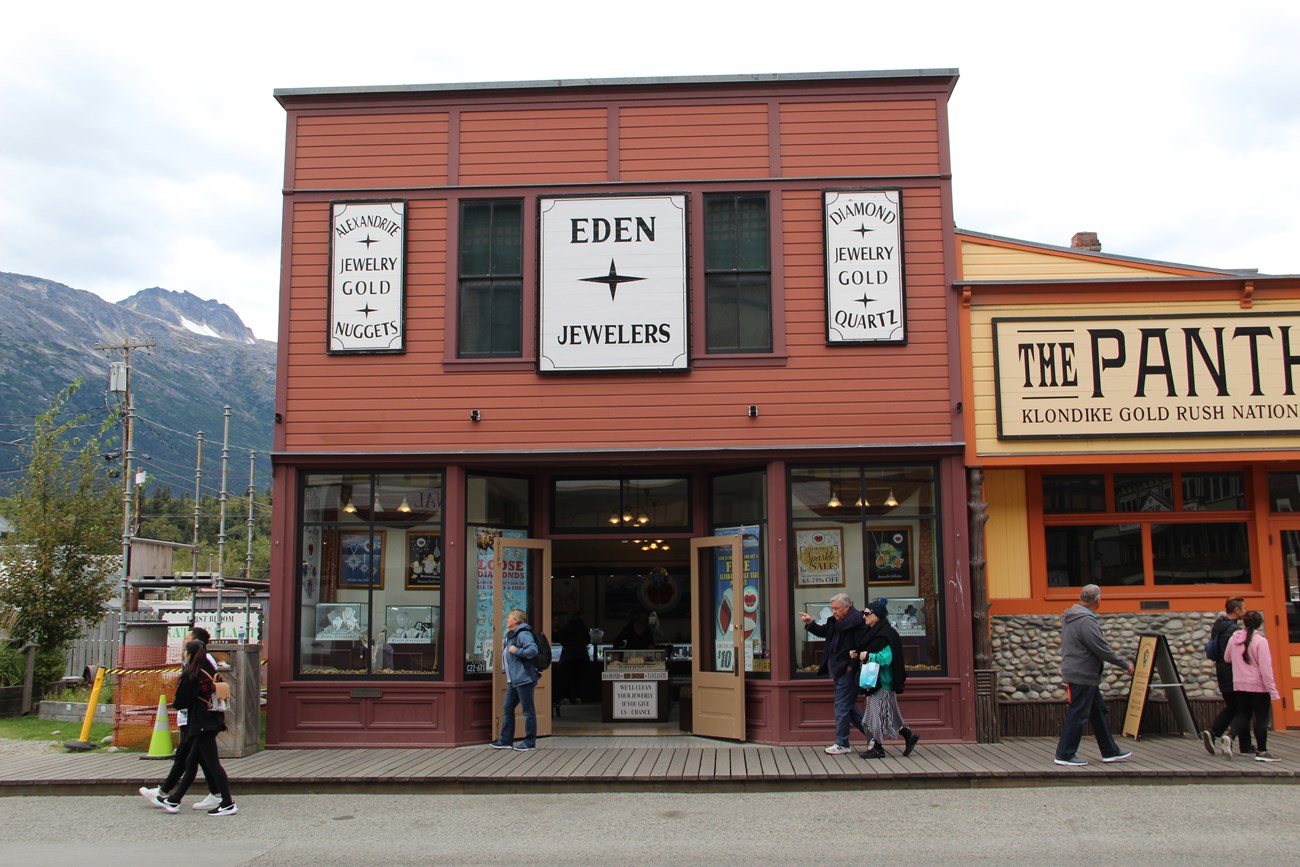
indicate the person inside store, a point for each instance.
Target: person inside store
{"x":843,"y":632}
{"x":637,"y":634}
{"x":572,"y":668}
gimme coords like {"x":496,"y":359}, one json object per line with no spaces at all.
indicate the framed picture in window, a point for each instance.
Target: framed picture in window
{"x":410,"y":624}
{"x":423,"y":560}
{"x":342,"y":621}
{"x":362,"y":560}
{"x":889,"y":556}
{"x":819,"y":557}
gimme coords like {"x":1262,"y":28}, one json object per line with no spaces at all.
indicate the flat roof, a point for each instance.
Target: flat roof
{"x":676,"y":80}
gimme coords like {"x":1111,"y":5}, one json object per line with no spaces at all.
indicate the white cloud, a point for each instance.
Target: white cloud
{"x":143,"y":147}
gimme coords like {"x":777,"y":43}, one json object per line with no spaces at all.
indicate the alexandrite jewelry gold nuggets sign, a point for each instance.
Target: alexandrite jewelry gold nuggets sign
{"x":367,"y":276}
{"x":865,"y":300}
{"x":613,"y":284}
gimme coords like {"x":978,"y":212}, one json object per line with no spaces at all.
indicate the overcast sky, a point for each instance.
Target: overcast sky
{"x":140,"y":144}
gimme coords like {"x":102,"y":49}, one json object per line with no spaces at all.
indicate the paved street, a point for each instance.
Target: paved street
{"x":1198,"y":823}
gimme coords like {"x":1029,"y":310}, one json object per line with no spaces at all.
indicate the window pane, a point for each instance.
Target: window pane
{"x":720,"y":233}
{"x":497,"y":500}
{"x":1200,"y":553}
{"x":1074,"y":493}
{"x":754,"y":306}
{"x":739,"y":498}
{"x":1105,"y":554}
{"x":1144,"y":492}
{"x":737,"y":274}
{"x":590,"y":503}
{"x":490,"y":291}
{"x":507,"y":239}
{"x":1214,"y":491}
{"x":1284,"y":492}
{"x":823,"y":492}
{"x":751,"y":233}
{"x":475,"y":238}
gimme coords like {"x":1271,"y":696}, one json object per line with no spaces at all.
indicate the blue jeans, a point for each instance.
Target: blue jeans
{"x":846,"y":706}
{"x":1086,"y":706}
{"x":516,"y":696}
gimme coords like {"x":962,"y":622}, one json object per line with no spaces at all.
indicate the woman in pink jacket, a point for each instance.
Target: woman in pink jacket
{"x":1252,"y":681}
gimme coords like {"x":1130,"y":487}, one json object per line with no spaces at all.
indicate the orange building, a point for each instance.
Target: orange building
{"x":1134,"y":424}
{"x":683,"y":349}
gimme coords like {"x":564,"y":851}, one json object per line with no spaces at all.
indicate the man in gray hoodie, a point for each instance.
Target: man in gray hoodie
{"x":1084,"y":652}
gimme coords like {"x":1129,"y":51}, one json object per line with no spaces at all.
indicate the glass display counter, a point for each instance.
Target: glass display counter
{"x":634,"y":685}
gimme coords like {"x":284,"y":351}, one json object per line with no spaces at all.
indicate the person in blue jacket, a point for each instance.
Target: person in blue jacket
{"x":517,"y":652}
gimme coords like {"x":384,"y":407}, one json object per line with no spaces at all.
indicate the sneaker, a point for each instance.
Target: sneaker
{"x":1208,"y":740}
{"x":227,"y":810}
{"x":500,"y":745}
{"x":911,"y":741}
{"x":1265,"y":756}
{"x":1118,"y":757}
{"x":1225,"y":746}
{"x":522,"y":747}
{"x":151,"y":795}
{"x":837,"y":750}
{"x":166,"y":805}
{"x":208,"y":803}
{"x":1072,"y":761}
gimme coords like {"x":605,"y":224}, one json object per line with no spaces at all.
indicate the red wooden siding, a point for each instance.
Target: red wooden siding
{"x":534,"y":146}
{"x":886,"y":137}
{"x":700,"y":141}
{"x":370,"y":151}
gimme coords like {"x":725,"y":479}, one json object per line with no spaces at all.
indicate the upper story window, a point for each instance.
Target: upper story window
{"x":490,"y":278}
{"x":737,"y":273}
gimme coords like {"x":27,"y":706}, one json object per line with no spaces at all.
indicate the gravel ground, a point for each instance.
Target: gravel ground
{"x":30,"y":748}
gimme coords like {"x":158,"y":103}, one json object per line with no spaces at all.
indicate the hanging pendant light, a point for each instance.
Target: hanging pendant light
{"x":890,"y":501}
{"x":378,"y":507}
{"x":405,"y":507}
{"x":350,"y":508}
{"x":834,"y":501}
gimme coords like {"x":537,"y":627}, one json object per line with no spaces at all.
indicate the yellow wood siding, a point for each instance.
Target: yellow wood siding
{"x":984,"y":261}
{"x":1006,"y":535}
{"x":984,"y":395}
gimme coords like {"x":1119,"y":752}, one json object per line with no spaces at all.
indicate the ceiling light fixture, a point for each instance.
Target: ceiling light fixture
{"x":834,"y":502}
{"x":890,"y":501}
{"x":405,"y":507}
{"x":350,"y":508}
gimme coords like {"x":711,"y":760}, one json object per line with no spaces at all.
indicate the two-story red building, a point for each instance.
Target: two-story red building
{"x":589,"y":348}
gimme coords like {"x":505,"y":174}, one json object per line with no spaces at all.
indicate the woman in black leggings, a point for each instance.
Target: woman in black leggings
{"x":1252,"y":682}
{"x":194,"y":693}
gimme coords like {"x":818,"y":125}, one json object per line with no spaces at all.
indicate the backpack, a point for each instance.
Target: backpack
{"x":542,"y":660}
{"x":1212,"y":645}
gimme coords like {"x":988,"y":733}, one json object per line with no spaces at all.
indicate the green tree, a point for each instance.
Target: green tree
{"x":56,"y":570}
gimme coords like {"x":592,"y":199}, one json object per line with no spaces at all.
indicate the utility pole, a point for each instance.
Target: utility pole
{"x":221,"y":530}
{"x":194,"y":556}
{"x":120,"y":382}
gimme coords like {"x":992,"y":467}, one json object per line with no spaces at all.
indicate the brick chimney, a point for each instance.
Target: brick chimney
{"x":1086,"y":241}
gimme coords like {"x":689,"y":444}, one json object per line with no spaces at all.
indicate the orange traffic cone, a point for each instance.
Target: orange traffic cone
{"x":160,"y":744}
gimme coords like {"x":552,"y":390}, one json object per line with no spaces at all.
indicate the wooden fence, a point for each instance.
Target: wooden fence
{"x":97,"y":646}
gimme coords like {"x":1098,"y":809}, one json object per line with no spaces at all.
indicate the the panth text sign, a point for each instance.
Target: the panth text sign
{"x":1147,"y":376}
{"x":613,"y":284}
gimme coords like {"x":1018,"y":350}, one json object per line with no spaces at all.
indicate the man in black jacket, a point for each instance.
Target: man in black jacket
{"x":1216,"y":734}
{"x":842,"y":631}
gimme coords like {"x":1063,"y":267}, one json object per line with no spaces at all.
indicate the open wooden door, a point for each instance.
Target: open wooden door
{"x":521,"y":578}
{"x":718,"y":662}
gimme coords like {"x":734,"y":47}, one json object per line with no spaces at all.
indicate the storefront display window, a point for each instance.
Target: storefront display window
{"x":1191,"y":527}
{"x":738,"y":506}
{"x":370,"y":575}
{"x":495,"y":507}
{"x":871,"y":532}
{"x":1074,"y":493}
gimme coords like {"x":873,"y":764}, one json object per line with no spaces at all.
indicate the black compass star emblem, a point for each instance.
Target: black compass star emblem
{"x":862,"y":229}
{"x":367,"y":240}
{"x":367,"y":310}
{"x":612,"y":279}
{"x":864,"y":300}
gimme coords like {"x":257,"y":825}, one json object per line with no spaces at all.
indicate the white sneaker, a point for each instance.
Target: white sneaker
{"x":837,"y":750}
{"x":151,"y":795}
{"x":1225,"y":746}
{"x":208,"y":802}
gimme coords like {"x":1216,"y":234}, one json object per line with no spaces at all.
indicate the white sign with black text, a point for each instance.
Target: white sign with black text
{"x":636,"y":699}
{"x":367,"y":277}
{"x":865,"y":301}
{"x":613,"y":284}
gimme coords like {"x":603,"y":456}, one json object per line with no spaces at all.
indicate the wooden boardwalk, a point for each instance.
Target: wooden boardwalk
{"x":659,"y":763}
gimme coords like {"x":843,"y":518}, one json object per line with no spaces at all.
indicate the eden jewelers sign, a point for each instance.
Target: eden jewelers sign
{"x":1147,"y":376}
{"x":613,"y":284}
{"x":367,"y":277}
{"x":865,"y":301}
